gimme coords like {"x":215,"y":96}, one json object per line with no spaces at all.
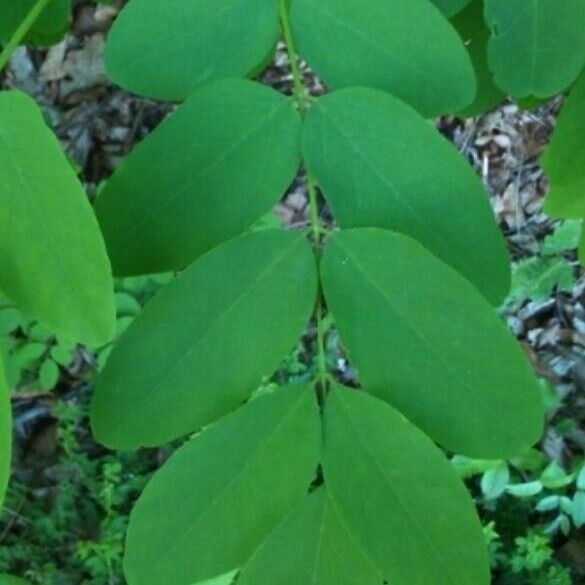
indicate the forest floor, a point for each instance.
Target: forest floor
{"x":67,"y":511}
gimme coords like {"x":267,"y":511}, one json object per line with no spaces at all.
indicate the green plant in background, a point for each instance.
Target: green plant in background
{"x":413,"y":275}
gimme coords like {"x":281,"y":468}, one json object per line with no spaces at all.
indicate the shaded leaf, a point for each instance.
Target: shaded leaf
{"x":400,"y":310}
{"x":323,"y":553}
{"x":381,"y":165}
{"x":219,"y":495}
{"x":398,"y":496}
{"x":166,"y":49}
{"x":475,"y":34}
{"x":537,"y":278}
{"x":206,"y":340}
{"x":386,"y":47}
{"x":537,"y":48}
{"x":53,"y":263}
{"x":564,"y":159}
{"x":204,"y":176}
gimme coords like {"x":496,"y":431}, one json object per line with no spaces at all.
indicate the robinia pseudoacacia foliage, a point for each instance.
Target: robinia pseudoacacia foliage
{"x":313,"y":483}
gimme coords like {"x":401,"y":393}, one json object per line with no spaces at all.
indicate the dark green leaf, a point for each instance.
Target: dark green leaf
{"x":426,"y":341}
{"x":564,"y":158}
{"x":203,"y":344}
{"x":5,"y":433}
{"x":204,"y":176}
{"x":386,"y":46}
{"x":399,"y":497}
{"x":381,"y":165}
{"x":450,"y":7}
{"x":310,"y":547}
{"x":53,"y":263}
{"x":475,"y":34}
{"x":165,"y":49}
{"x":537,"y":47}
{"x":49,"y":28}
{"x":217,"y":498}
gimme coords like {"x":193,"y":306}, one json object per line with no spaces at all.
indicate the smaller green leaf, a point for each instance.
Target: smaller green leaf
{"x":525,"y":490}
{"x":555,"y":477}
{"x":564,"y":159}
{"x":48,"y":375}
{"x":126,"y":305}
{"x":581,"y":479}
{"x":565,"y":237}
{"x":62,"y":355}
{"x":495,"y":481}
{"x":324,"y":553}
{"x":219,"y":495}
{"x":29,"y":353}
{"x":537,"y":278}
{"x":578,"y":509}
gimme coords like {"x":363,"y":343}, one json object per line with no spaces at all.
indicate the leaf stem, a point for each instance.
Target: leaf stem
{"x":302,"y":98}
{"x":21,"y":31}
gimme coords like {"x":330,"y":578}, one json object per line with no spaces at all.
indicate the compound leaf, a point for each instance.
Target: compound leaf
{"x":475,"y":34}
{"x":380,"y":164}
{"x":5,"y":433}
{"x":537,"y":47}
{"x":49,"y":27}
{"x":386,"y":47}
{"x":323,"y":552}
{"x":398,"y":496}
{"x":564,"y":159}
{"x":204,"y":176}
{"x":206,"y":340}
{"x":219,"y":495}
{"x":53,"y":262}
{"x":426,"y":341}
{"x":450,"y":7}
{"x":166,"y":49}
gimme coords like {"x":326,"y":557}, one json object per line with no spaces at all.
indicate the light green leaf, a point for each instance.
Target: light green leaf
{"x":48,"y":375}
{"x":578,"y":511}
{"x":204,"y":176}
{"x":475,"y":34}
{"x":450,"y":7}
{"x":564,"y":159}
{"x":53,"y":263}
{"x":398,"y":496}
{"x":380,"y":164}
{"x":565,"y":237}
{"x":310,"y":547}
{"x":48,"y":29}
{"x":206,"y":340}
{"x":165,"y":49}
{"x":494,"y":481}
{"x":537,"y":47}
{"x":5,"y":433}
{"x":218,"y":497}
{"x":386,"y":46}
{"x":426,"y":341}
{"x":537,"y":278}
{"x":554,"y":477}
{"x":525,"y":490}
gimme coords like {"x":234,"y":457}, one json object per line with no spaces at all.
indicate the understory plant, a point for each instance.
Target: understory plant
{"x":313,"y":482}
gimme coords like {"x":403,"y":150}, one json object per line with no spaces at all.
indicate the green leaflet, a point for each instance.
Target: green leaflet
{"x":450,"y":7}
{"x":386,"y":46}
{"x":204,"y":342}
{"x":204,"y":176}
{"x":165,"y":49}
{"x":310,"y":547}
{"x":537,"y":48}
{"x":381,"y":165}
{"x":53,"y":263}
{"x":49,"y":28}
{"x":398,"y":495}
{"x":426,"y":341}
{"x":215,"y":500}
{"x":5,"y":435}
{"x":564,"y":159}
{"x":475,"y":34}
